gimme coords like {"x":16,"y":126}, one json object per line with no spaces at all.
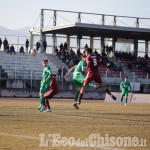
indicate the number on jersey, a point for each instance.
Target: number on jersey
{"x":95,"y":62}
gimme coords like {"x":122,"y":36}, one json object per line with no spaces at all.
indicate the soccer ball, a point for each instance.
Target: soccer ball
{"x":33,"y":51}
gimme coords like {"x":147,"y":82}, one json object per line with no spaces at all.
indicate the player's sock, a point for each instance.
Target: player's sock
{"x":126,"y":100}
{"x":76,"y":96}
{"x":47,"y":104}
{"x":42,"y":101}
{"x":121,"y":99}
{"x":80,"y":97}
{"x":108,"y":92}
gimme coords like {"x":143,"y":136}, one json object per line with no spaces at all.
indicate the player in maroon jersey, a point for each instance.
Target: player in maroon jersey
{"x":53,"y":90}
{"x":93,"y":73}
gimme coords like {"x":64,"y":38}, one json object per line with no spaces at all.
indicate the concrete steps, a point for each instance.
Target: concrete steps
{"x":24,"y":64}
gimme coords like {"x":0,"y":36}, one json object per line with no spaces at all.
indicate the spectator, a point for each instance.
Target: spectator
{"x":5,"y":42}
{"x":95,"y":52}
{"x":0,"y":43}
{"x":27,"y":45}
{"x":86,"y":46}
{"x":147,"y":69}
{"x":65,"y":46}
{"x":61,"y":46}
{"x":129,"y":66}
{"x":146,"y":56}
{"x":37,"y":45}
{"x":120,"y":68}
{"x":64,"y":72}
{"x":59,"y":73}
{"x":56,"y":51}
{"x":21,"y":49}
{"x":78,"y":52}
{"x":44,"y":46}
{"x":7,"y":49}
{"x":12,"y":49}
{"x":72,"y":53}
{"x":111,"y":64}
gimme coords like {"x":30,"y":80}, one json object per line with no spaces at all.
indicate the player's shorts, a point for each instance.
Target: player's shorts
{"x":50,"y":93}
{"x":93,"y":76}
{"x":78,"y":80}
{"x":124,"y":93}
{"x":45,"y":88}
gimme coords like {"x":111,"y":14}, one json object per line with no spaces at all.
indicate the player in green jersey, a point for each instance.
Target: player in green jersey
{"x":124,"y":86}
{"x":45,"y":83}
{"x":78,"y":78}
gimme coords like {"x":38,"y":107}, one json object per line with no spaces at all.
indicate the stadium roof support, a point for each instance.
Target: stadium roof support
{"x":80,"y":29}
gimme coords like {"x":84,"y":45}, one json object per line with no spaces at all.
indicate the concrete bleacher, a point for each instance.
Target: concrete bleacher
{"x":22,"y":66}
{"x":138,"y":73}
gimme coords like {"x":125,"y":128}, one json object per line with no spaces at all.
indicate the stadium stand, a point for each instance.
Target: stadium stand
{"x":20,"y":66}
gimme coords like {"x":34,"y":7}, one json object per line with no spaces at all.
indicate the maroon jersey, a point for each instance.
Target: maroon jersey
{"x":92,"y":63}
{"x":53,"y":84}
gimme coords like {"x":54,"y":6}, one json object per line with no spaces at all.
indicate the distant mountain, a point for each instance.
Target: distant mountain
{"x":18,"y":32}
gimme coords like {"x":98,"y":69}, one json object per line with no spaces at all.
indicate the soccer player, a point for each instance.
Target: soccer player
{"x":93,"y":73}
{"x":78,"y":78}
{"x":45,"y":83}
{"x":124,"y":86}
{"x":53,"y":90}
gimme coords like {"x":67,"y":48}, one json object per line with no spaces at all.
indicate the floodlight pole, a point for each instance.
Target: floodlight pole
{"x":54,"y":38}
{"x":41,"y":33}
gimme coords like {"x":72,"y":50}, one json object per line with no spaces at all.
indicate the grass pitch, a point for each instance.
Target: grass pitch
{"x":21,"y":123}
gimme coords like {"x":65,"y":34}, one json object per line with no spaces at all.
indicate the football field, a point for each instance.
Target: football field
{"x":96,"y":125}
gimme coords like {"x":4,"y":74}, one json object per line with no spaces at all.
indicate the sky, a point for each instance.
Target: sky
{"x":15,"y":14}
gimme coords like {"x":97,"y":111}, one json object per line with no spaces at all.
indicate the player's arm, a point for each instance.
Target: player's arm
{"x":84,"y":67}
{"x":71,"y":70}
{"x":49,"y":74}
{"x":105,"y":65}
{"x":121,"y":85}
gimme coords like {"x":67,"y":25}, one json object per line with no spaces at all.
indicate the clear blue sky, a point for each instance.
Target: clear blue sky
{"x":15,"y":14}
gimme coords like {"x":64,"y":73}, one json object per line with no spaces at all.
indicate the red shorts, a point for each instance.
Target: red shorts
{"x":50,"y":93}
{"x":93,"y":76}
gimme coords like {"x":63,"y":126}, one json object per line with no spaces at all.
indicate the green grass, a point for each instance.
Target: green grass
{"x":22,"y":118}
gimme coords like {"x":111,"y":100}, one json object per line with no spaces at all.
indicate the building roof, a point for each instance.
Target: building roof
{"x":94,"y":30}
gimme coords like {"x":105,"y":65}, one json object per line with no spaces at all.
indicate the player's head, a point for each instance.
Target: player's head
{"x":88,"y":51}
{"x":126,"y":78}
{"x":44,"y":62}
{"x":83,"y":57}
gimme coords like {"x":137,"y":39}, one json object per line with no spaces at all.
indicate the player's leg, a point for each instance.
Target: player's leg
{"x":47,"y":105}
{"x":77,"y":86}
{"x":76,"y":97}
{"x":43,"y":107}
{"x":97,"y":79}
{"x":126,"y":98}
{"x":88,"y":79}
{"x":82,"y":92}
{"x":121,"y":100}
{"x":122,"y":96}
{"x":42,"y":102}
{"x":107,"y":91}
{"x":48,"y":95}
{"x":81,"y":78}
